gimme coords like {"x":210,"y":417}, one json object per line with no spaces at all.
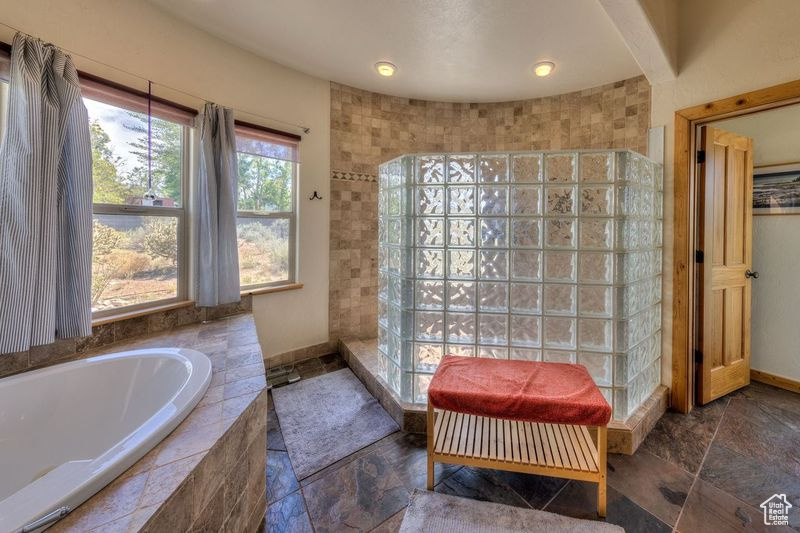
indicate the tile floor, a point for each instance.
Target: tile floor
{"x":707,"y":471}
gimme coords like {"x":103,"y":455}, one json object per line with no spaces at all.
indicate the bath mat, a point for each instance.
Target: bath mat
{"x":432,"y":512}
{"x":326,"y":418}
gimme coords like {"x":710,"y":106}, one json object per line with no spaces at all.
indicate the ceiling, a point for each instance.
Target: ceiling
{"x":447,"y":50}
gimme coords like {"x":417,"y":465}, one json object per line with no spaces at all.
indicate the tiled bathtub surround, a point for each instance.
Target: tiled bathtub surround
{"x":552,"y":256}
{"x":369,"y":128}
{"x":107,"y":333}
{"x":209,"y":474}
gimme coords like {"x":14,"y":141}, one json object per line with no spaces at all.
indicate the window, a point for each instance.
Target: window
{"x":139,"y":217}
{"x":266,"y":221}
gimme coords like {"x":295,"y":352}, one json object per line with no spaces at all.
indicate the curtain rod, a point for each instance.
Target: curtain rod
{"x":267,"y":130}
{"x":305,"y":129}
{"x":137,"y":92}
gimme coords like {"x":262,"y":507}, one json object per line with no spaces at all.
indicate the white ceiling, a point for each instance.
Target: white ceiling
{"x":448,"y":50}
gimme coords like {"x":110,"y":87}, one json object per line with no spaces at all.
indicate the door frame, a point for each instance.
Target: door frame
{"x":684,"y":220}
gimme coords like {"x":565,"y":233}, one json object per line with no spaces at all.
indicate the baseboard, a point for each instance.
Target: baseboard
{"x":625,"y":437}
{"x":776,"y":381}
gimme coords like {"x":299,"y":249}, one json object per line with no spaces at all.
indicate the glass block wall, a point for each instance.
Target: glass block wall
{"x":545,"y":256}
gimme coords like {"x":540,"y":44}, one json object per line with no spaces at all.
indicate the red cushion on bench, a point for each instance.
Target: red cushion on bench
{"x":554,"y":393}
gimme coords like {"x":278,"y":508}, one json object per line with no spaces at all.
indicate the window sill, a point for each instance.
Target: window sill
{"x":108,"y":319}
{"x":274,"y":288}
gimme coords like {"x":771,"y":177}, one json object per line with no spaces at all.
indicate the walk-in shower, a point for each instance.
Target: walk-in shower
{"x":552,"y":256}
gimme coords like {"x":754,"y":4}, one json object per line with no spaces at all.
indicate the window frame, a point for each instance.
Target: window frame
{"x":291,"y":216}
{"x":179,"y":213}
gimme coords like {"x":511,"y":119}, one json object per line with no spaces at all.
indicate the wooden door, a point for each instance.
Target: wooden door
{"x":725,"y":234}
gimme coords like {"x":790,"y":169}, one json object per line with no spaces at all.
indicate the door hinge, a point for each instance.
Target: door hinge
{"x":698,"y":357}
{"x":701,"y":157}
{"x":699,"y":256}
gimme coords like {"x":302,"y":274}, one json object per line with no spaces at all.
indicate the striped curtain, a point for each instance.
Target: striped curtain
{"x":218,"y":261}
{"x":45,"y":202}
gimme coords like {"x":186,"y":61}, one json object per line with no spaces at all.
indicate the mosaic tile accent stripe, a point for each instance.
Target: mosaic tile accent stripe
{"x":352,"y":176}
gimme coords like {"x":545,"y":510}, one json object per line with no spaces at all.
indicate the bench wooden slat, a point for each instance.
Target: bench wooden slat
{"x":492,"y":438}
{"x":444,"y":435}
{"x":470,"y":435}
{"x":569,"y":444}
{"x":461,"y":445}
{"x":574,"y":445}
{"x":555,"y":447}
{"x":484,"y":437}
{"x":580,"y":448}
{"x":456,"y":434}
{"x":582,"y":462}
{"x":562,"y":447}
{"x":514,"y":442}
{"x":529,"y":440}
{"x":587,"y":452}
{"x":439,"y":428}
{"x":451,"y":428}
{"x":587,"y":437}
{"x":536,"y":445}
{"x":471,"y":430}
{"x":542,"y":445}
{"x":501,"y":442}
{"x":458,"y":444}
{"x":508,"y":454}
{"x":524,"y":443}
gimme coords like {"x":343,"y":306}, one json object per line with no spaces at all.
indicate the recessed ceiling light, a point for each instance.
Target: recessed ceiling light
{"x":385,"y":68}
{"x":543,"y":68}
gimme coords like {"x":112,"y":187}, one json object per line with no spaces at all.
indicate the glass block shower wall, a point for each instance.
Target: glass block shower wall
{"x":546,"y":256}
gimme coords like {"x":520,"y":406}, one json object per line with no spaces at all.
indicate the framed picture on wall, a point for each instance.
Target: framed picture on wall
{"x":776,"y":190}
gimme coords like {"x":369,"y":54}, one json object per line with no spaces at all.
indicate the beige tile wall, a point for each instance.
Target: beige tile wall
{"x":369,"y":128}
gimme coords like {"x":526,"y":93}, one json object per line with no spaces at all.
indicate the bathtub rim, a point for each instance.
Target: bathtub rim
{"x":99,"y":472}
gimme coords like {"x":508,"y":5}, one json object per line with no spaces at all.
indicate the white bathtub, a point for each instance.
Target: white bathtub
{"x":68,"y":430}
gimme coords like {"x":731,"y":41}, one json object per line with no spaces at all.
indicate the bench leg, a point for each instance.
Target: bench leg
{"x":429,"y":484}
{"x":430,"y":424}
{"x":602,"y":459}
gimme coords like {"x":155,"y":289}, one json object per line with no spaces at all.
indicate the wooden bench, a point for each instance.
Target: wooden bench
{"x":518,"y":443}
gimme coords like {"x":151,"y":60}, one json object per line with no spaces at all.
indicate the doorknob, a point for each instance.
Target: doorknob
{"x":751,"y":274}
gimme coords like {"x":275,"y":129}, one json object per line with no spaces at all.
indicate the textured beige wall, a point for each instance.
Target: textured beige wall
{"x":369,"y":128}
{"x":139,"y":38}
{"x":726,"y":47}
